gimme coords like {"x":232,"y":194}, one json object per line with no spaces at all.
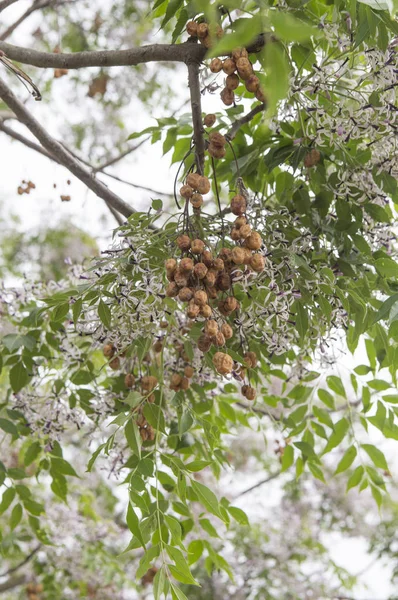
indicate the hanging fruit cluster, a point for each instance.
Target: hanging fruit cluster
{"x":205,"y":33}
{"x":237,"y":68}
{"x":33,"y":590}
{"x":25,"y":187}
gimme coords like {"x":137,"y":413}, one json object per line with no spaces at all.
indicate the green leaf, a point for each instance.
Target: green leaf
{"x":379,"y":385}
{"x":327,"y":398}
{"x":246,"y":31}
{"x":176,"y":593}
{"x":133,"y":437}
{"x":195,"y":551}
{"x":376,"y":455}
{"x":8,"y":427}
{"x":301,"y":320}
{"x":13,"y":341}
{"x":340,"y":430}
{"x":336,"y":385}
{"x":6,"y":500}
{"x":385,"y":308}
{"x":208,"y":527}
{"x":276,"y":83}
{"x":238,"y":514}
{"x":355,"y":478}
{"x":19,"y":376}
{"x":60,"y":465}
{"x":197,"y":465}
{"x":158,"y":583}
{"x":347,"y":460}
{"x":174,"y":528}
{"x":287,"y":458}
{"x":181,"y":571}
{"x":32,"y":453}
{"x":104,"y":314}
{"x":387,"y":267}
{"x":291,"y":29}
{"x":16,"y":516}
{"x":207,"y":498}
{"x":155,"y":417}
{"x":134,"y":525}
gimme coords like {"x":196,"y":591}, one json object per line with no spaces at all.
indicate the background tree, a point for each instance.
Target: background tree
{"x":208,"y":337}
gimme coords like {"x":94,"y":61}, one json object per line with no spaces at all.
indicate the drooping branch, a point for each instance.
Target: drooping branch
{"x":37,"y":5}
{"x":243,"y":120}
{"x":185,"y":52}
{"x":196,"y":107}
{"x":6,"y":3}
{"x":63,"y":156}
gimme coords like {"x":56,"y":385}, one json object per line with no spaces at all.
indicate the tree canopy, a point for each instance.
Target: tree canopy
{"x":253,"y":303}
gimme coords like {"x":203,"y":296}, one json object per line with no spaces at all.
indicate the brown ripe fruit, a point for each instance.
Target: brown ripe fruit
{"x":200,"y":298}
{"x":238,"y":255}
{"x":196,"y":200}
{"x":197,"y":246}
{"x":248,"y":256}
{"x":203,"y":185}
{"x":186,"y":191}
{"x":215,"y":67}
{"x":129,"y":380}
{"x":312,"y":158}
{"x":193,"y":180}
{"x":257,"y":263}
{"x":189,"y":372}
{"x":229,"y":66}
{"x":219,"y":263}
{"x":207,"y":41}
{"x":232,"y":81}
{"x":223,"y":282}
{"x":150,"y":434}
{"x":192,"y":28}
{"x":219,"y":339}
{"x":253,"y":241}
{"x":252,"y":84}
{"x":206,"y":311}
{"x":239,"y":222}
{"x":193,"y":310}
{"x":183,"y":242}
{"x":164,"y":324}
{"x":141,"y":420}
{"x":181,"y":278}
{"x":186,"y":265}
{"x":250,"y":360}
{"x":175,"y":381}
{"x":151,"y":398}
{"x":202,"y":30}
{"x":144,"y":434}
{"x":210,"y":278}
{"x":223,"y":310}
{"x":223,"y":363}
{"x":231,"y":304}
{"x":238,"y":205}
{"x":244,"y":67}
{"x":249,"y":393}
{"x":239,"y":53}
{"x":210,"y":119}
{"x":227,"y":96}
{"x":200,"y":270}
{"x":108,"y":350}
{"x":216,"y":152}
{"x":245,"y":231}
{"x":260,"y":95}
{"x":212,"y":293}
{"x":207,"y":258}
{"x":217,"y":139}
{"x":204,"y":343}
{"x":185,"y":383}
{"x":170,"y":265}
{"x":227,"y":331}
{"x":115,"y":363}
{"x":172,"y":290}
{"x":225,"y":254}
{"x":185,"y":294}
{"x":148,"y":383}
{"x":211,"y":328}
{"x":158,"y":346}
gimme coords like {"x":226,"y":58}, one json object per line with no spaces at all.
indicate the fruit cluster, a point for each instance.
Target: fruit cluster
{"x":237,"y":67}
{"x":25,"y":187}
{"x":33,"y":590}
{"x":205,"y":33}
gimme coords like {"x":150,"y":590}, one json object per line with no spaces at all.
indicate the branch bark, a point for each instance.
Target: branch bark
{"x":196,"y":107}
{"x":184,"y":53}
{"x":12,"y":583}
{"x":37,"y":5}
{"x":6,"y":3}
{"x":62,"y":155}
{"x":245,"y":119}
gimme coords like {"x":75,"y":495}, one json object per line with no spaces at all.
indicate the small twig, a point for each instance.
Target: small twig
{"x":257,"y":485}
{"x":6,"y":3}
{"x":35,"y":6}
{"x":21,"y":564}
{"x":116,"y":159}
{"x":63,"y":156}
{"x":196,"y":106}
{"x":243,"y":120}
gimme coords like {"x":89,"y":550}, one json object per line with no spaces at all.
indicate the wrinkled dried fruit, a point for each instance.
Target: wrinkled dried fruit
{"x":216,"y":65}
{"x":193,"y":310}
{"x":238,"y":255}
{"x":183,"y":242}
{"x":197,"y":246}
{"x":227,"y":96}
{"x":249,"y":393}
{"x":227,"y":331}
{"x":223,"y":363}
{"x":109,"y":350}
{"x":257,"y":263}
{"x":229,"y":66}
{"x":210,"y":119}
{"x":129,"y":380}
{"x":148,"y":383}
{"x":216,"y":152}
{"x":200,"y":270}
{"x":218,"y":264}
{"x":186,"y":265}
{"x":186,"y":191}
{"x":245,"y":231}
{"x":193,"y":180}
{"x":115,"y":363}
{"x":252,"y":84}
{"x":224,"y":282}
{"x":211,"y":328}
{"x":203,"y":185}
{"x":189,"y":372}
{"x":239,"y":53}
{"x":192,"y":28}
{"x":244,"y":67}
{"x":196,"y":200}
{"x":202,"y":30}
{"x":312,"y":158}
{"x":230,"y":303}
{"x":204,"y":343}
{"x":185,"y":294}
{"x":217,"y":139}
{"x":181,"y":278}
{"x":260,"y":95}
{"x":250,"y":359}
{"x":200,"y":298}
{"x":219,"y":339}
{"x":232,"y":81}
{"x":206,"y":311}
{"x":238,"y":205}
{"x":253,"y":241}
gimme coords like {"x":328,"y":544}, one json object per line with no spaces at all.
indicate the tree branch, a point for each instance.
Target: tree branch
{"x":196,"y":106}
{"x":185,"y":52}
{"x":37,"y":5}
{"x":246,"y":119}
{"x":6,"y":3}
{"x":22,"y":563}
{"x":63,"y":156}
{"x":13,"y":582}
{"x":257,"y":485}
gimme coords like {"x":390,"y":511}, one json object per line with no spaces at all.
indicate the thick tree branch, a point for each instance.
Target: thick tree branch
{"x":245,"y":119}
{"x":12,"y":583}
{"x":6,"y":3}
{"x":185,"y":52}
{"x":196,"y":107}
{"x":63,"y":156}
